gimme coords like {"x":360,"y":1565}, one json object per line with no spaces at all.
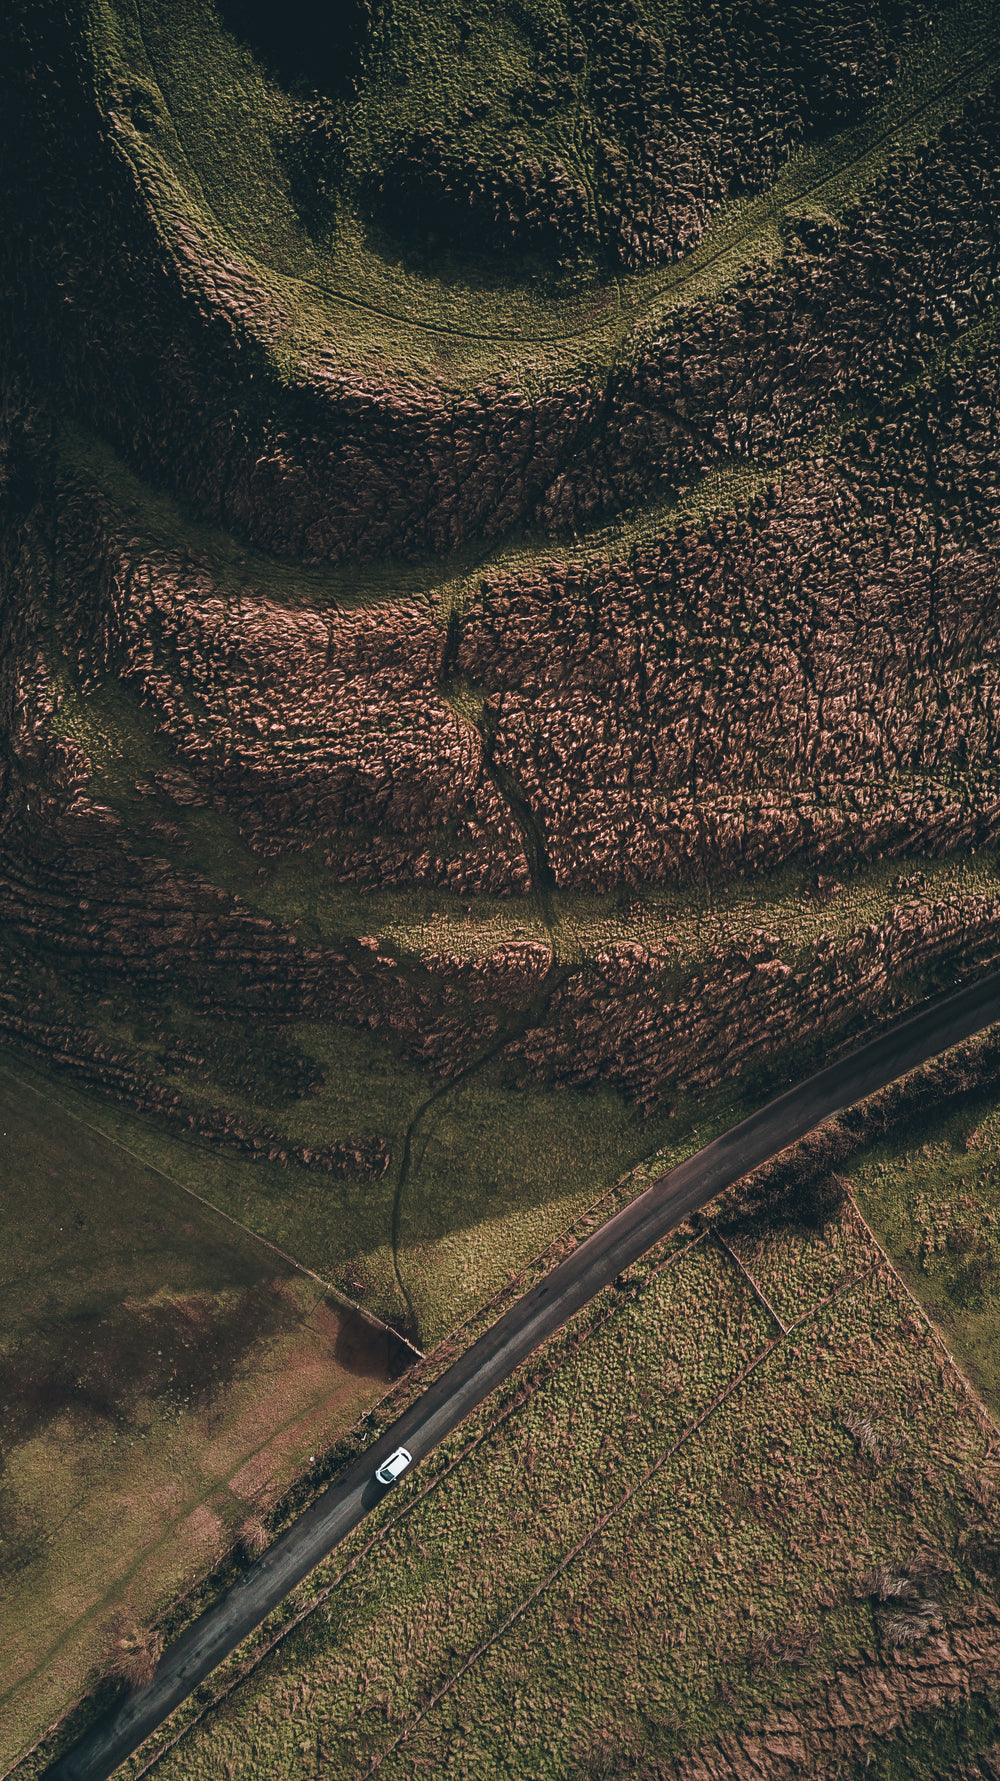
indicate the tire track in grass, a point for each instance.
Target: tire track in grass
{"x":536,"y":1007}
{"x":764,"y":210}
{"x":753,"y":1284}
{"x":533,"y":1010}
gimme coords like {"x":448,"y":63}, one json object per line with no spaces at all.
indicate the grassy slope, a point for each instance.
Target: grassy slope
{"x":159,"y":1369}
{"x":954,"y":1736}
{"x":219,"y":121}
{"x":449,"y":585}
{"x":721,"y":1523}
{"x":122,"y":743}
{"x":213,"y":156}
{"x":492,"y":1174}
{"x":467,"y":1222}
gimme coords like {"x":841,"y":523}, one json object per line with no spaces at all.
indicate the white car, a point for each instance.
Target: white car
{"x":391,"y":1468}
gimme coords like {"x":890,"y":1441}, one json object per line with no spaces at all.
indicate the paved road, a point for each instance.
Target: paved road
{"x":593,"y":1265}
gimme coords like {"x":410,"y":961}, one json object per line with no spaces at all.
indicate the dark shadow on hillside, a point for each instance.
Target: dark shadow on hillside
{"x":110,"y":1364}
{"x":304,"y":43}
{"x":365,"y":1347}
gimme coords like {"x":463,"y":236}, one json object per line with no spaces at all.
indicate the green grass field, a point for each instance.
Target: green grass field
{"x":658,"y":1535}
{"x":163,"y":1375}
{"x":493,"y":1177}
{"x":932,"y":1194}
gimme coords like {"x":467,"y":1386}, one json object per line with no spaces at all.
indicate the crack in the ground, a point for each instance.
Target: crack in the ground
{"x":543,"y":885}
{"x":543,"y":879}
{"x":510,"y":793}
{"x":536,"y":1007}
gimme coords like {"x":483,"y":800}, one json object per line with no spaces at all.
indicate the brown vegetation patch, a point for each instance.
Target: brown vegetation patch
{"x":133,"y":1651}
{"x":111,"y":1362}
{"x":856,"y":1708}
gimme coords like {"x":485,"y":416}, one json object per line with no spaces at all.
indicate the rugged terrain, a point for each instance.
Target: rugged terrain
{"x":499,"y":540}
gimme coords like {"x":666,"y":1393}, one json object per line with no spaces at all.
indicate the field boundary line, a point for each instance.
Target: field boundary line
{"x":523,"y":1396}
{"x":446,"y":1350}
{"x":754,"y":1287}
{"x":327,"y":1285}
{"x":687,"y":1432}
{"x":985,"y":1414}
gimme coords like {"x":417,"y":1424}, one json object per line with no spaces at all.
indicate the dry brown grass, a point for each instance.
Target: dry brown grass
{"x":253,"y":1535}
{"x":133,"y":1651}
{"x":902,"y":1615}
{"x":910,"y":1625}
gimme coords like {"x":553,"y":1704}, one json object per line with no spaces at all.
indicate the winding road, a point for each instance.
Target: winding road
{"x":670,"y":1199}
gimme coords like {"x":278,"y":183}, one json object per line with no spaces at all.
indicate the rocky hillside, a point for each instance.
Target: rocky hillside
{"x":336,"y":578}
